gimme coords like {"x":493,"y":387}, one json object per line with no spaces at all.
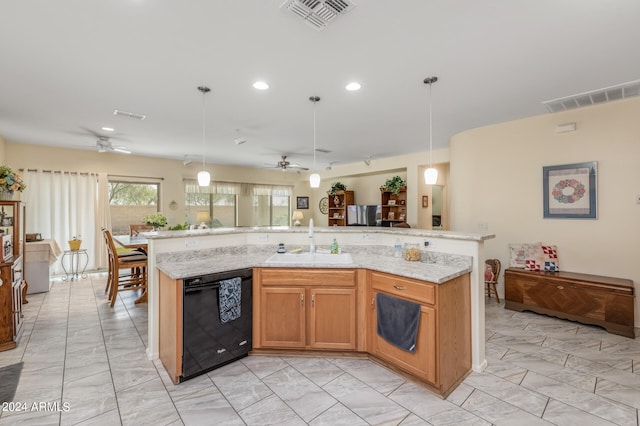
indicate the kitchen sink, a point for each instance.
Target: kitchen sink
{"x":311,"y":258}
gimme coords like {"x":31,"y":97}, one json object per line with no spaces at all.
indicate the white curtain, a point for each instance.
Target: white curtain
{"x":61,"y":205}
{"x":103,"y":219}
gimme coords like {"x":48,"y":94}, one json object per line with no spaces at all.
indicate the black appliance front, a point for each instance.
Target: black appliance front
{"x":208,"y":343}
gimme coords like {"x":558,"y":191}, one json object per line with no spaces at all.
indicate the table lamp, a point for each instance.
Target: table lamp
{"x":203,"y":217}
{"x":297,"y":215}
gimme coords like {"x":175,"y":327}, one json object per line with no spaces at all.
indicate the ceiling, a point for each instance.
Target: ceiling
{"x":67,"y":65}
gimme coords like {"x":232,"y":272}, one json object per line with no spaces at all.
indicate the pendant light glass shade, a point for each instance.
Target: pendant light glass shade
{"x":314,"y":178}
{"x":431,"y":174}
{"x":204,"y":178}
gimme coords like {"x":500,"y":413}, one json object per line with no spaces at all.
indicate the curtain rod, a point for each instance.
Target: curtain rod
{"x":59,"y":171}
{"x":135,"y":177}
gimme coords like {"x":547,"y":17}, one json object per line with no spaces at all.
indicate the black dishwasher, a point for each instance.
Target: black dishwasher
{"x":208,"y":343}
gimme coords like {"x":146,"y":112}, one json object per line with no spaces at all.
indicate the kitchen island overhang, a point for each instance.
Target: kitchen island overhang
{"x":228,"y":247}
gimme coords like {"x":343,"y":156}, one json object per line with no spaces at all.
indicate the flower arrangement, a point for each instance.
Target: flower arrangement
{"x":156,"y":220}
{"x":10,"y":181}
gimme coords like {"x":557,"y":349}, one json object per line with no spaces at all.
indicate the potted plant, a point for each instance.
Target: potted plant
{"x":337,"y":186}
{"x":393,"y":184}
{"x":75,"y":242}
{"x":157,"y":220}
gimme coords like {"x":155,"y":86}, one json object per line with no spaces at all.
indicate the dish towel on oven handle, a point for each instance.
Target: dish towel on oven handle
{"x":230,"y":299}
{"x":398,"y":321}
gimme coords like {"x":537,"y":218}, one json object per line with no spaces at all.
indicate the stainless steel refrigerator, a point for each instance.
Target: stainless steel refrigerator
{"x":370,"y":215}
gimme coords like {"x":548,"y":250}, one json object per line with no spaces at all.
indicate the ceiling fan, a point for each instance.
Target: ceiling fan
{"x":104,"y":145}
{"x":285,"y":165}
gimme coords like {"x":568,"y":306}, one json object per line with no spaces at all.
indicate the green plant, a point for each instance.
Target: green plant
{"x":179,"y":227}
{"x":156,"y":219}
{"x":337,"y":186}
{"x":393,"y":184}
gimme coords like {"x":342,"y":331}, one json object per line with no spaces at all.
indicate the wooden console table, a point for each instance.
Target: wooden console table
{"x":589,"y":299}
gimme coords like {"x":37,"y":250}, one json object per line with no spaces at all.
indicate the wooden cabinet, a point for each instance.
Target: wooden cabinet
{"x":12,"y":284}
{"x":589,"y":299}
{"x":443,"y":346}
{"x":338,"y":211}
{"x":394,"y":206}
{"x":305,"y":308}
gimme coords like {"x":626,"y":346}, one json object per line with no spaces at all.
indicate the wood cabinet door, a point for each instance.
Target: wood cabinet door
{"x":17,"y":309}
{"x":282,"y":317}
{"x":422,"y":362}
{"x":332,"y":318}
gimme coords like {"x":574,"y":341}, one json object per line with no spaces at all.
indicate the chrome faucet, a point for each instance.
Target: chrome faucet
{"x":312,"y":246}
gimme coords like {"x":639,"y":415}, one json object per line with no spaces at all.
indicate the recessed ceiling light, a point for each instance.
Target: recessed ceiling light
{"x":260,"y":85}
{"x":108,"y":129}
{"x":353,"y":86}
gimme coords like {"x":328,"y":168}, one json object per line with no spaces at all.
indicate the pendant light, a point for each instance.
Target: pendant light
{"x":431,"y":174}
{"x":314,"y":179}
{"x":204,"y":178}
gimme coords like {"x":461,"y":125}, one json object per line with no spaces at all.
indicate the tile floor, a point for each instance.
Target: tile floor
{"x":88,"y":362}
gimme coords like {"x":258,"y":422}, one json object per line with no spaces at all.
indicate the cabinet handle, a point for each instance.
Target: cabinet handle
{"x":399,"y":287}
{"x":560,"y":287}
{"x":18,"y":270}
{"x":313,"y":300}
{"x":302,"y":299}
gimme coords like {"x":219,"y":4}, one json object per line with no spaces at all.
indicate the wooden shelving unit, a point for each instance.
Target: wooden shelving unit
{"x":338,"y":213}
{"x":11,"y":273}
{"x":394,"y":206}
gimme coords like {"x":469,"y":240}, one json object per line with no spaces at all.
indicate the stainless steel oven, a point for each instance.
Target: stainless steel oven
{"x":207,"y":342}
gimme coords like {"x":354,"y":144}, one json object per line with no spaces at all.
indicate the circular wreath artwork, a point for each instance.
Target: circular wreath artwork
{"x":568,"y":191}
{"x":324,"y":205}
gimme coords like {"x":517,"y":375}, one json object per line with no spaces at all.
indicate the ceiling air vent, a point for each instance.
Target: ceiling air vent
{"x":608,"y":94}
{"x":129,"y":114}
{"x":318,"y":13}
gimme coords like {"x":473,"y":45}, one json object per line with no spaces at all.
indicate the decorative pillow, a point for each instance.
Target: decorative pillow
{"x":551,"y":262}
{"x":518,"y":254}
{"x":541,"y":257}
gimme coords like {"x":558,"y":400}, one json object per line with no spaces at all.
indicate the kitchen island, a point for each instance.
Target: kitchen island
{"x":191,"y":253}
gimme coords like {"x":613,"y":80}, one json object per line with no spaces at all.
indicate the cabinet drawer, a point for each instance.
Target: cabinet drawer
{"x":405,"y":287}
{"x":301,"y":276}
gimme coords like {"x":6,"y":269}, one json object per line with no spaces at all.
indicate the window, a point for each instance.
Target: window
{"x":219,"y":209}
{"x":129,"y":202}
{"x":239,"y":204}
{"x":271,"y":206}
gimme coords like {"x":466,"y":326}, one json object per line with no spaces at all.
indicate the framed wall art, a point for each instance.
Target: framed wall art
{"x":425,"y":201}
{"x":569,"y":191}
{"x":302,"y":203}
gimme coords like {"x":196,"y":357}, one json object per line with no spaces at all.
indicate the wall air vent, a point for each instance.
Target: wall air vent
{"x":608,"y":94}
{"x":318,"y":13}
{"x":129,"y":114}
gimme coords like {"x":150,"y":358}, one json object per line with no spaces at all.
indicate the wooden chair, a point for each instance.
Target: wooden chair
{"x":135,"y":264}
{"x":491,"y":274}
{"x":137,"y":228}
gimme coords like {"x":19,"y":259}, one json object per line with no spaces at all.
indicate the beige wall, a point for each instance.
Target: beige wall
{"x":496,"y":173}
{"x":172,"y":172}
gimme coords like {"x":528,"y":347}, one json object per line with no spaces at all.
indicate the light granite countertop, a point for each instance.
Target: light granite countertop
{"x":433,"y":266}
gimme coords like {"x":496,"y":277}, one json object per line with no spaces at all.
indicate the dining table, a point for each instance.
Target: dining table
{"x":131,"y":241}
